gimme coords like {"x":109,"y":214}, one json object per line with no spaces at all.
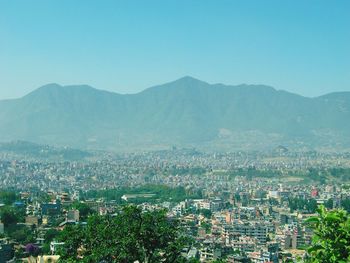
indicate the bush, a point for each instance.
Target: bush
{"x":331,"y":240}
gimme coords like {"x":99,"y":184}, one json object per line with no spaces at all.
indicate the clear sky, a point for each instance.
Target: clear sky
{"x":302,"y":46}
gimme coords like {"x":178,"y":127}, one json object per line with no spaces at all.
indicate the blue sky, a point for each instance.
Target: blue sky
{"x":302,"y":46}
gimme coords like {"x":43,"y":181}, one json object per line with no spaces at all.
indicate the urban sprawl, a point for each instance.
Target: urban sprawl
{"x":238,"y":207}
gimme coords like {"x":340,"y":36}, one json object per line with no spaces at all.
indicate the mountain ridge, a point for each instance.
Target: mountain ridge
{"x":186,"y":112}
{"x":49,"y":86}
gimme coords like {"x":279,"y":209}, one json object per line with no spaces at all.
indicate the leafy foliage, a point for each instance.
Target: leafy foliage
{"x":345,"y":203}
{"x":309,"y":205}
{"x":22,"y":234}
{"x":206,"y":213}
{"x":84,"y":210}
{"x":331,"y":240}
{"x":8,"y":197}
{"x":130,"y":236}
{"x":11,"y":216}
{"x":162,"y":193}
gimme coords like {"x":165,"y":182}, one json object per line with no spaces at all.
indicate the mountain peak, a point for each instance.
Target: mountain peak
{"x":185,"y":112}
{"x":45,"y":89}
{"x":49,"y":86}
{"x":189,"y":80}
{"x":56,"y":89}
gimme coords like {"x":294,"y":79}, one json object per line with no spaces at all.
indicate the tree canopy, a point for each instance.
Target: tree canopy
{"x":132,"y":235}
{"x":331,"y":240}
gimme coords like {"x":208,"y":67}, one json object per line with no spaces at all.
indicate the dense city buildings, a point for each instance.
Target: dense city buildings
{"x":238,"y":207}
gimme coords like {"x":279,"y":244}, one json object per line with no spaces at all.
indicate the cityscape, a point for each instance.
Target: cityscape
{"x":234,"y":207}
{"x":174,"y":131}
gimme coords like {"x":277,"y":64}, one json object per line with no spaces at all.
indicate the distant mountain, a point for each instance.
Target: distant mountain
{"x":185,"y":112}
{"x":23,"y":149}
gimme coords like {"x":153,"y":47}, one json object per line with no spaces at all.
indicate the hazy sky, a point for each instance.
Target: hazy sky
{"x":126,"y":46}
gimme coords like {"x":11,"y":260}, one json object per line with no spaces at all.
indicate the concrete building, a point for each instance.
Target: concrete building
{"x":32,"y":220}
{"x":73,"y":216}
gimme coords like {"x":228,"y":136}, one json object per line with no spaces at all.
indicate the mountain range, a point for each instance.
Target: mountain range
{"x":186,"y":112}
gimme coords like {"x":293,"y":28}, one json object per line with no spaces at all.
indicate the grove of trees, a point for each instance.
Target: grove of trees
{"x":131,"y":235}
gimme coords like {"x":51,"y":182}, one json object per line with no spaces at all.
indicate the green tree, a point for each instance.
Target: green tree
{"x":331,"y":240}
{"x":206,"y":226}
{"x":84,"y":210}
{"x":73,"y":238}
{"x":130,"y":236}
{"x":346,"y":204}
{"x":206,"y":213}
{"x":311,"y":205}
{"x":22,"y":234}
{"x":8,"y":197}
{"x":51,"y":234}
{"x":9,"y":217}
{"x":329,"y":203}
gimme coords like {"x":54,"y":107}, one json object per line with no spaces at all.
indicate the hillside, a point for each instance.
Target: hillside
{"x":186,"y":112}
